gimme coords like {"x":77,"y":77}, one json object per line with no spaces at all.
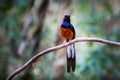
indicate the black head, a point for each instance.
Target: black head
{"x":67,"y":18}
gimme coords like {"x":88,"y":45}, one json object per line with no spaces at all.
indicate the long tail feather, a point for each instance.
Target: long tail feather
{"x":68,"y":65}
{"x":71,"y":58}
{"x":73,"y":64}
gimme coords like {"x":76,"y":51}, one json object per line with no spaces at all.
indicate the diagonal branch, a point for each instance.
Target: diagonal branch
{"x":20,"y":69}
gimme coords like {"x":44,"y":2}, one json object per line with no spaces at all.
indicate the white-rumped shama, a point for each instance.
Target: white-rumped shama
{"x":68,"y":33}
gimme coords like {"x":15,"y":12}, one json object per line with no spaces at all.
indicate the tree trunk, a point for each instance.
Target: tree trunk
{"x":37,"y":32}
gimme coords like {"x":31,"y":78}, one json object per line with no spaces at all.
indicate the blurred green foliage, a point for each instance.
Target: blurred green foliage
{"x":91,"y":18}
{"x":103,"y":60}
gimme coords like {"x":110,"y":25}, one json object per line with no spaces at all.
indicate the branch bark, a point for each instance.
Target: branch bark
{"x":92,"y":39}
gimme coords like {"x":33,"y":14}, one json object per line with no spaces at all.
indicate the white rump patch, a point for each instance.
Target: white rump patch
{"x":71,"y":51}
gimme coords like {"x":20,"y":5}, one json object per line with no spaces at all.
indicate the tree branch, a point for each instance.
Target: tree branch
{"x":20,"y":69}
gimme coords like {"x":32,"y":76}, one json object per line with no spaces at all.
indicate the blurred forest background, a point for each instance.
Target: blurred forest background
{"x":29,"y":26}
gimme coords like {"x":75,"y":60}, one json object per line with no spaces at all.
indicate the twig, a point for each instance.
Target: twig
{"x":20,"y":69}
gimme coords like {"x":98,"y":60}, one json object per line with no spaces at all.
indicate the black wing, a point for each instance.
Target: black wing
{"x":73,"y":30}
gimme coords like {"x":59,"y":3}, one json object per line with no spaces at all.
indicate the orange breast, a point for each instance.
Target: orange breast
{"x":66,"y":33}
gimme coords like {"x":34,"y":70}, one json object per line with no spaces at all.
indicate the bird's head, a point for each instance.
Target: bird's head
{"x":67,"y":18}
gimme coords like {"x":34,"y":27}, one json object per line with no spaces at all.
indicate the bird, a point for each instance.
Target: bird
{"x":67,"y":32}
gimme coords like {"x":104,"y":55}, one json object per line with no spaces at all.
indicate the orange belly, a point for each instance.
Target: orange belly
{"x":66,"y":33}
